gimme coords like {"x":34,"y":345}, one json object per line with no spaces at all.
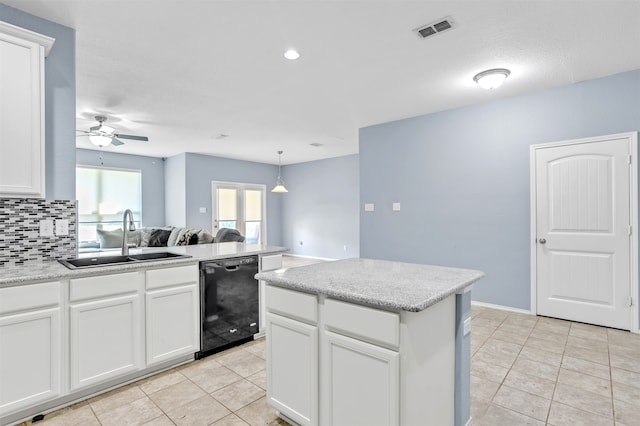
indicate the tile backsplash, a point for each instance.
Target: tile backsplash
{"x":20,"y":240}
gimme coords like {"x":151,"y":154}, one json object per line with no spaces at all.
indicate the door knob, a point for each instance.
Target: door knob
{"x":542,"y":241}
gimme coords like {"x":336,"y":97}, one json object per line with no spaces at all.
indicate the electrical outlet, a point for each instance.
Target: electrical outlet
{"x":396,"y":207}
{"x":466,"y":326}
{"x":62,"y":227}
{"x":369,"y":207}
{"x":46,"y":228}
{"x":203,"y":209}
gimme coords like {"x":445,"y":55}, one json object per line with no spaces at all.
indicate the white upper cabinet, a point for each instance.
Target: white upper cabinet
{"x":22,"y":148}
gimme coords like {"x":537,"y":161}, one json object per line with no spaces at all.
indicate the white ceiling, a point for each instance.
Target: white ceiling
{"x":183,"y":72}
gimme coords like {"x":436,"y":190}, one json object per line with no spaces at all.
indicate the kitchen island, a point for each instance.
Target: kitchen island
{"x":369,"y":342}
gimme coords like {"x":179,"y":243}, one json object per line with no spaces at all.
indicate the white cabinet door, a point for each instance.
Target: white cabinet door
{"x":362,"y":383}
{"x":30,"y":358}
{"x":22,"y":106}
{"x":292,"y":368}
{"x":106,"y":339}
{"x":172,"y":323}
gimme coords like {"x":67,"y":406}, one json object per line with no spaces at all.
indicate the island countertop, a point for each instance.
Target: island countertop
{"x":395,"y":286}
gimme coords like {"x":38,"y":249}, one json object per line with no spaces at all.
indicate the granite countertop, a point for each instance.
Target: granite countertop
{"x":389,"y":285}
{"x":52,"y":270}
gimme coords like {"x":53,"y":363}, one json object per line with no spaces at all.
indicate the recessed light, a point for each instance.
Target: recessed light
{"x":291,"y":54}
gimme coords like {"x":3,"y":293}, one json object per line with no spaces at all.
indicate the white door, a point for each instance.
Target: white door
{"x":364,"y":380}
{"x":292,"y":369}
{"x":582,"y":226}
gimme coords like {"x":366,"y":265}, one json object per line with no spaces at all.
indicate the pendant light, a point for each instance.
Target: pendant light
{"x":279,"y":182}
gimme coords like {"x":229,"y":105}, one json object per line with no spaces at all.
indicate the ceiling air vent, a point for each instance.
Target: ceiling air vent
{"x":435,"y":27}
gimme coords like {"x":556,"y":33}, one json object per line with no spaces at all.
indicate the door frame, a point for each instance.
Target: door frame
{"x":633,"y":202}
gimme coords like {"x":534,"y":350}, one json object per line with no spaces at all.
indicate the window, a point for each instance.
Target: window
{"x":103,"y":196}
{"x":240,"y":206}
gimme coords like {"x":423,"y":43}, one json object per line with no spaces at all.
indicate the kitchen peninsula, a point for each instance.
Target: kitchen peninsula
{"x":369,"y":342}
{"x":68,"y":334}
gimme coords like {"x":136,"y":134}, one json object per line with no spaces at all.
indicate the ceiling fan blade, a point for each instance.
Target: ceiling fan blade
{"x":116,"y":142}
{"x":132,"y":137}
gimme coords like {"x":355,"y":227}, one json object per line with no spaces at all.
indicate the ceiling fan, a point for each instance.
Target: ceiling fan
{"x":103,"y":135}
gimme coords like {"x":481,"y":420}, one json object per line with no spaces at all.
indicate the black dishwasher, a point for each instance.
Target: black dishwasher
{"x":229,"y":306}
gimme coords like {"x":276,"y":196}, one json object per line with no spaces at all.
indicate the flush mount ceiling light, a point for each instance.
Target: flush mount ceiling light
{"x":492,"y":79}
{"x":279,"y":182}
{"x":291,"y":54}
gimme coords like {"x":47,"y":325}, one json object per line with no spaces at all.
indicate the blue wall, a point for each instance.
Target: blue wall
{"x":462,"y":177}
{"x":152,"y":169}
{"x":175,"y":191}
{"x":60,"y":102}
{"x":321,"y":208}
{"x":200,"y":170}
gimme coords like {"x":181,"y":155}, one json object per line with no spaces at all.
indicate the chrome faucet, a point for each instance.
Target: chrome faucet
{"x":126,"y":227}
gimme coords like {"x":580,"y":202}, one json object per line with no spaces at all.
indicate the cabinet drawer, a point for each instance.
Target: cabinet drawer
{"x":29,"y":296}
{"x":292,"y":304}
{"x":271,"y":262}
{"x":180,"y":275}
{"x":369,"y":324}
{"x":104,"y":285}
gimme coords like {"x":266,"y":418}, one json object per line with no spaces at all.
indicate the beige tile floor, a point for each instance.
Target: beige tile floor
{"x":525,"y":370}
{"x":528,"y":370}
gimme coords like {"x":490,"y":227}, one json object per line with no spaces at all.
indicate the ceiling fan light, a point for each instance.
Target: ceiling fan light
{"x":492,"y":79}
{"x":100,"y":140}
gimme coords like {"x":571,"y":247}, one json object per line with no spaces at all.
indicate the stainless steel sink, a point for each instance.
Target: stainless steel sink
{"x":92,"y":262}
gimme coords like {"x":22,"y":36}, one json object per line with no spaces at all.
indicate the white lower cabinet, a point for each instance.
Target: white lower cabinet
{"x":106,"y":327}
{"x":362,"y":383}
{"x":30,"y":345}
{"x":336,"y":363}
{"x":172,"y":313}
{"x":292,"y":368}
{"x":292,"y":354}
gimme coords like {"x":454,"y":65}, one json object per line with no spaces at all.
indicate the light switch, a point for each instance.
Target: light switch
{"x":62,"y":227}
{"x":46,"y":228}
{"x":396,"y":207}
{"x":203,"y":209}
{"x":368,"y":207}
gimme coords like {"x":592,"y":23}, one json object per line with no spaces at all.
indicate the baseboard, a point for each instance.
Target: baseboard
{"x":501,"y":307}
{"x":307,"y":257}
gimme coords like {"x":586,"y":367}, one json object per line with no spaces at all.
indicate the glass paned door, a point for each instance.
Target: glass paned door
{"x":239,"y":206}
{"x":225,"y":208}
{"x":253,"y":215}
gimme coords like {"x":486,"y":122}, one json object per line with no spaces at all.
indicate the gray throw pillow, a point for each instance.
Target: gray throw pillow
{"x":109,"y":239}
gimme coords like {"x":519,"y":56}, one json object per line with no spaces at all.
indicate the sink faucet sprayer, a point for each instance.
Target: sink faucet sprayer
{"x":126,"y":227}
